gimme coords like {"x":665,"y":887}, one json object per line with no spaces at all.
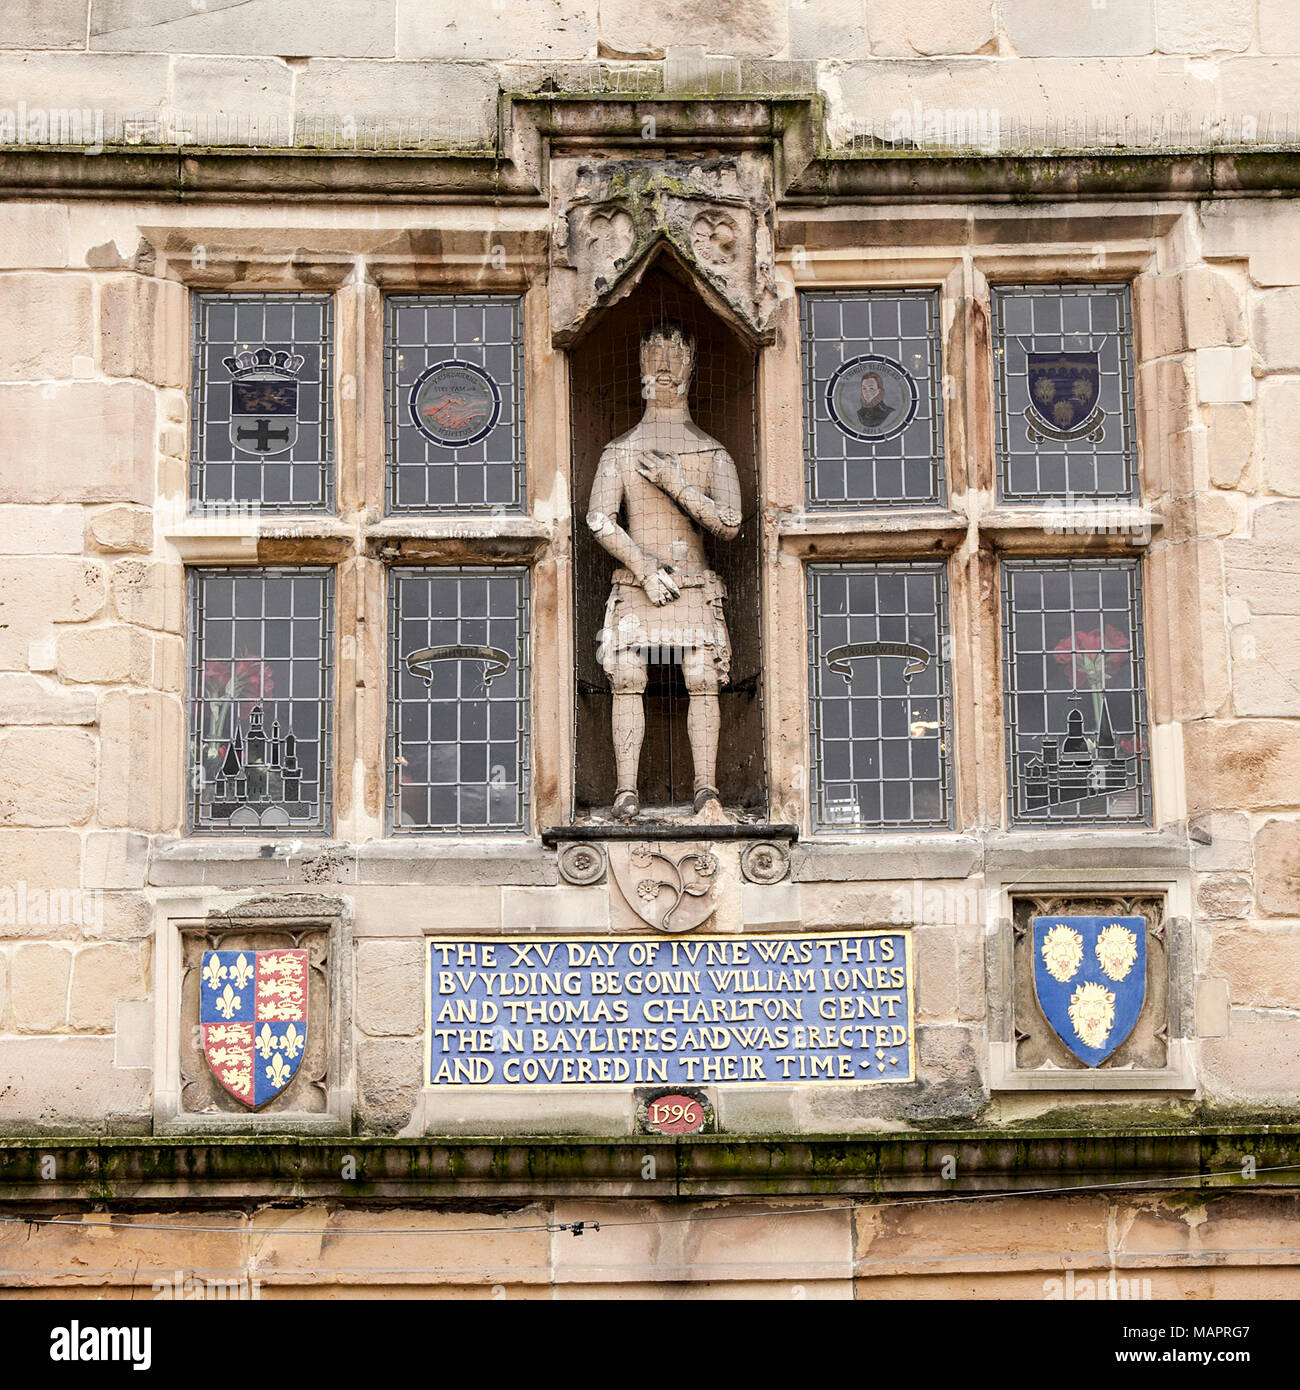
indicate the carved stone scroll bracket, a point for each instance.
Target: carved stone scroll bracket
{"x":612,"y":219}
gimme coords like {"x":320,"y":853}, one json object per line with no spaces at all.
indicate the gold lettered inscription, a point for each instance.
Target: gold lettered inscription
{"x":754,"y":1010}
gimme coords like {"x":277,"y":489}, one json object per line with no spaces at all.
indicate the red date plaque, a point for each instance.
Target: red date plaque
{"x":674,"y":1114}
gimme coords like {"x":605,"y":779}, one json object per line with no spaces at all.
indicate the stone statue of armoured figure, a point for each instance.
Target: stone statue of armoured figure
{"x":670,"y":481}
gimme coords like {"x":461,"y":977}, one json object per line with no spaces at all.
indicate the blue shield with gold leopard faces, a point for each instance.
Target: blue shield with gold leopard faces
{"x":253,"y":1019}
{"x":1064,"y":388}
{"x":1090,"y":975}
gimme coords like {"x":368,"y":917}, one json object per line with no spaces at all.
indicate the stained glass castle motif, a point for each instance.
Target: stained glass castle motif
{"x":1075,"y":767}
{"x":259,"y":781}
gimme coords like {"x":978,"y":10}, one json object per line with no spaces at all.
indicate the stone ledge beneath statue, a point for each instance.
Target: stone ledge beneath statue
{"x":669,"y":830}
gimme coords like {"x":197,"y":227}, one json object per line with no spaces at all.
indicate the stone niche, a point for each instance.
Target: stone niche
{"x":635,"y":241}
{"x":607,"y":401}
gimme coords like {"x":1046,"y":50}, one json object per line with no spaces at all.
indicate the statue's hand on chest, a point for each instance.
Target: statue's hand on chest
{"x":670,"y":473}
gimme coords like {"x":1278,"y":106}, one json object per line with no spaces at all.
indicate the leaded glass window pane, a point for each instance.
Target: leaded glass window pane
{"x":1063,"y":360}
{"x":262,"y":428}
{"x":881,"y":715}
{"x":873,"y":398}
{"x":453,"y":372}
{"x":458,"y":707}
{"x":1074,"y":692}
{"x":260,"y":699}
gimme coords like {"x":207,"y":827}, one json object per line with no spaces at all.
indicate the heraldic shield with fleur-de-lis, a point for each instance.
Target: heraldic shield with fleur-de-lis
{"x":1090,"y":974}
{"x":253,"y":1016}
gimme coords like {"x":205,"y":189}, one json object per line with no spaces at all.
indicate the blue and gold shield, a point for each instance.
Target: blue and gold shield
{"x":1090,"y":975}
{"x":1063,"y":392}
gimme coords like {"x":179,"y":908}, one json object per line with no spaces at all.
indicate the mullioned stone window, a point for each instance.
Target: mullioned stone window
{"x":260,"y":699}
{"x":882,"y":728}
{"x":262,"y":402}
{"x":453,"y":368}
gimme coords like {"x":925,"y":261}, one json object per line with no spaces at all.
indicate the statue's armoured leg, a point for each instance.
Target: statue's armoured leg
{"x":703,"y":721}
{"x":627,"y":674}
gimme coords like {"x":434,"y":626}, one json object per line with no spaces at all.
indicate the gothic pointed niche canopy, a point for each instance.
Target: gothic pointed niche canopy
{"x":615,"y":218}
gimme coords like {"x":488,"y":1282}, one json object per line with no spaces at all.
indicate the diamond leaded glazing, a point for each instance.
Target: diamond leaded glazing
{"x":880,"y":696}
{"x":260,"y":699}
{"x":873,"y":398}
{"x":261,"y":433}
{"x":458,"y":706}
{"x":1074,"y":692}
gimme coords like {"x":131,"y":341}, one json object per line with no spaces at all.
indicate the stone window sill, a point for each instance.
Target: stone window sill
{"x":1108,"y":529}
{"x":857,"y":534}
{"x":1085,"y":849}
{"x":316,"y":539}
{"x":237,"y":863}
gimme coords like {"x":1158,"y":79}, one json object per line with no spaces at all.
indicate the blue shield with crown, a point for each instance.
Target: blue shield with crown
{"x":264,"y":400}
{"x":1090,"y":975}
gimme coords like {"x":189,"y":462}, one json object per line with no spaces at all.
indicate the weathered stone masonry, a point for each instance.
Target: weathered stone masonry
{"x":395,"y":148}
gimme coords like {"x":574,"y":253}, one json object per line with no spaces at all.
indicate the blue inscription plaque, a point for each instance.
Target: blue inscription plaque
{"x":823,"y":1009}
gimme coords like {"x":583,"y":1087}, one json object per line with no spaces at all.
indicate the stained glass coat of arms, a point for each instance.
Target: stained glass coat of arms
{"x":262,"y":402}
{"x":1063,"y":358}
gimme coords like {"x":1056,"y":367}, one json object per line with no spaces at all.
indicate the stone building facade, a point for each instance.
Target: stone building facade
{"x":234,"y":675}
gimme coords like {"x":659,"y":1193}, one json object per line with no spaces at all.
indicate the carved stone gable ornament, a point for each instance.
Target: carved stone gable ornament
{"x":713,"y":215}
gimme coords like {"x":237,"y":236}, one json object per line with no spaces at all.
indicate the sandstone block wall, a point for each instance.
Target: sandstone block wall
{"x":93,"y":445}
{"x":1079,"y":1248}
{"x":275,"y":70}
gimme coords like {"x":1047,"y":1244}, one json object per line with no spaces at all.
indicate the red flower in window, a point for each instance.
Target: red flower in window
{"x":227,"y":685}
{"x":1092,"y":658}
{"x":246,"y":678}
